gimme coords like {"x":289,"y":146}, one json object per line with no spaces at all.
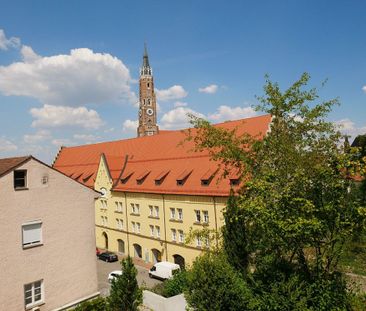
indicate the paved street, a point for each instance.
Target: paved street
{"x":104,"y":268}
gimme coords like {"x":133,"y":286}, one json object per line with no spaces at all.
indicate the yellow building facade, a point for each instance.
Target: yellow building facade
{"x":152,"y":227}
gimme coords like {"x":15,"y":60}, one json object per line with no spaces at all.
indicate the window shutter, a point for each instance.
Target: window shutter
{"x":32,"y":233}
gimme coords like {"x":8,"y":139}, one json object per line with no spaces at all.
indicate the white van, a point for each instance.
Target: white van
{"x":163,"y":270}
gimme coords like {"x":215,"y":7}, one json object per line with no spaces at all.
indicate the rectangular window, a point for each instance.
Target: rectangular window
{"x":106,"y":221}
{"x":133,"y":226}
{"x":198,"y":241}
{"x":172,"y":213}
{"x":151,"y":210}
{"x":180,"y":214}
{"x":198,"y":216}
{"x":205,"y":217}
{"x":119,"y":224}
{"x":132,"y":208}
{"x":20,"y":179}
{"x":157,"y":211}
{"x":119,"y":207}
{"x":33,"y":293}
{"x":174,"y":235}
{"x":103,"y":204}
{"x":137,"y":208}
{"x":207,"y":242}
{"x":151,"y":230}
{"x":32,"y":234}
{"x":138,"y":227}
{"x":181,"y":236}
{"x":157,"y":228}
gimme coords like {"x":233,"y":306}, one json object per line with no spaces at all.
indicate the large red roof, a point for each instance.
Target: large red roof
{"x":153,"y":164}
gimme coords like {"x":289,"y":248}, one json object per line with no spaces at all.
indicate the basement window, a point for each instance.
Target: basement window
{"x":234,"y":182}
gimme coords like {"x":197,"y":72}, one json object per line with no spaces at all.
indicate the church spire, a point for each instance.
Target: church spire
{"x":147,"y":104}
{"x":145,"y":69}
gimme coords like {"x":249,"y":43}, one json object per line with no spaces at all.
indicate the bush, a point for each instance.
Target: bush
{"x":176,"y":285}
{"x":97,"y":304}
{"x":214,"y":285}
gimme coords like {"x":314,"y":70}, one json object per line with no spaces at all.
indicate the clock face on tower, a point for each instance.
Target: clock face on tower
{"x":150,"y":112}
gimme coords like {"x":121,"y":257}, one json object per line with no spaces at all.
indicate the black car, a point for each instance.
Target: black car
{"x":108,"y":257}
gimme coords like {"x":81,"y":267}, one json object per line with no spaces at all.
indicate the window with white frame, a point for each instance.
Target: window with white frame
{"x":119,"y":207}
{"x":205,"y":217}
{"x":174,"y":235}
{"x":172,"y":213}
{"x":156,"y":208}
{"x":207,"y":242}
{"x":151,"y":210}
{"x":133,"y":226}
{"x":32,"y":234}
{"x":198,"y":215}
{"x":106,"y":220}
{"x":198,"y":241}
{"x":119,"y":223}
{"x":138,"y":227}
{"x":135,"y":208}
{"x":103,"y":204}
{"x":157,"y":229}
{"x":33,"y":294}
{"x":181,"y":236}
{"x":180,"y":214}
{"x":152,"y":230}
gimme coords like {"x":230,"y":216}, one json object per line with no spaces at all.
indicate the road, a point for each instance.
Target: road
{"x":104,"y":268}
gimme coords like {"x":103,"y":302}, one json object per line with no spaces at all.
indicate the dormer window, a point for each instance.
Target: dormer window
{"x":140,"y":179}
{"x":160,"y":178}
{"x":126,"y":177}
{"x":20,"y":179}
{"x":182,"y":178}
{"x":207,"y":177}
{"x":234,"y":181}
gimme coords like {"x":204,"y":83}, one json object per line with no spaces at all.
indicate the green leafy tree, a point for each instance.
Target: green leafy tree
{"x":297,"y":205}
{"x":213,"y":284}
{"x":125,"y":293}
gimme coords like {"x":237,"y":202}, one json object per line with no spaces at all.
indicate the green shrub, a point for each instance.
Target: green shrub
{"x":97,"y":304}
{"x":175,"y":285}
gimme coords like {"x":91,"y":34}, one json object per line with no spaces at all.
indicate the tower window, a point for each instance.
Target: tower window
{"x":148,"y":85}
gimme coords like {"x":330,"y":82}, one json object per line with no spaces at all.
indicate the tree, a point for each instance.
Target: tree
{"x":125,"y":293}
{"x":296,"y":207}
{"x":214,"y":285}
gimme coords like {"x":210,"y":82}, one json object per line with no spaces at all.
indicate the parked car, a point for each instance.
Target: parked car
{"x":113,"y":275}
{"x":163,"y":270}
{"x":108,"y":257}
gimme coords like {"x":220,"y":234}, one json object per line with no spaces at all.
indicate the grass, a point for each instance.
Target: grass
{"x":353,"y":259}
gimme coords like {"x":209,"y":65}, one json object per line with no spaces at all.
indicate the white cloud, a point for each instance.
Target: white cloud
{"x":210,"y":89}
{"x":28,"y":54}
{"x":39,"y":136}
{"x":86,"y":137}
{"x":178,"y":118}
{"x":130,"y":126}
{"x":7,"y":145}
{"x":62,"y":142}
{"x":6,"y":43}
{"x":172,"y":93}
{"x":76,"y":79}
{"x":225,"y":113}
{"x":347,"y":126}
{"x":180,"y":104}
{"x":58,"y":116}
{"x":364,"y":88}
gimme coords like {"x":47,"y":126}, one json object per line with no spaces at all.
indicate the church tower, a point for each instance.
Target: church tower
{"x":147,"y":105}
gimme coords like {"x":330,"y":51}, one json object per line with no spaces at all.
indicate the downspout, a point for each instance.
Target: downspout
{"x":217,"y":242}
{"x":165,"y":242}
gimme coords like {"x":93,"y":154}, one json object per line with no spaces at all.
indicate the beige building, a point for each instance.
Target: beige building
{"x":47,"y":237}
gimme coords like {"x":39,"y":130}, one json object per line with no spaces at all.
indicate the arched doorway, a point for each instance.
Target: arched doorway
{"x":105,"y":240}
{"x":156,"y":255}
{"x":178,"y":259}
{"x":121,"y":246}
{"x":137,"y":250}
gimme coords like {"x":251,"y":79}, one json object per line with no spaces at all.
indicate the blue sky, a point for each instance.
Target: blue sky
{"x":69,"y":69}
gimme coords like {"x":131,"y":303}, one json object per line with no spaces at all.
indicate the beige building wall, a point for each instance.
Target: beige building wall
{"x":136,"y":237}
{"x":66,"y":260}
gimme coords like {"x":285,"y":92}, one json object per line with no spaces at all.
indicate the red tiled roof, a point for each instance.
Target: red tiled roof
{"x":156,"y":157}
{"x":8,"y":164}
